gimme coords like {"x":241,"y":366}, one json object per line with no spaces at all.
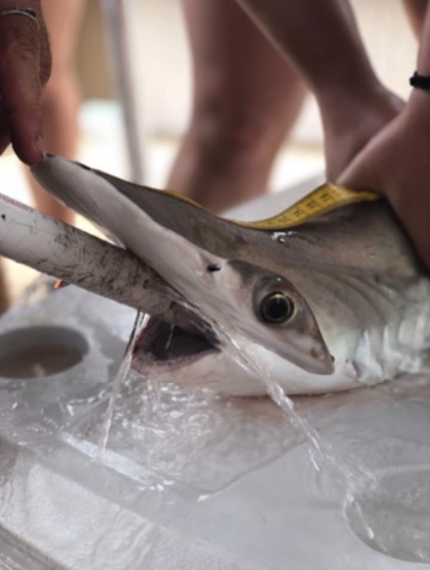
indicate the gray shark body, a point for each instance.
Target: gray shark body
{"x":332,"y":304}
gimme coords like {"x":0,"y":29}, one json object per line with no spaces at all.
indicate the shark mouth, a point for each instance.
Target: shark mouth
{"x":163,"y":345}
{"x":170,"y":354}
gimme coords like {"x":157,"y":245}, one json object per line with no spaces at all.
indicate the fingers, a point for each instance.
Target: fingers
{"x":411,"y":207}
{"x":24,"y":67}
{"x":395,"y":163}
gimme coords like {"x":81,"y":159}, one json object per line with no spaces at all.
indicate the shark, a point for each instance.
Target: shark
{"x":332,"y":302}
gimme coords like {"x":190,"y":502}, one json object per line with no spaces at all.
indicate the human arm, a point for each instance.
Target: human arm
{"x":416,"y":11}
{"x":396,"y":161}
{"x":25,"y":66}
{"x":322,"y":39}
{"x":394,"y":156}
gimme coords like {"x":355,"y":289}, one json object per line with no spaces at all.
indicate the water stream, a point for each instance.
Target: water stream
{"x":349,"y":478}
{"x":120,"y":377}
{"x":361,"y":490}
{"x":389,"y":512}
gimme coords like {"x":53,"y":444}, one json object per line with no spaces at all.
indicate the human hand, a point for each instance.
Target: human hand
{"x":395,"y":163}
{"x":25,"y":66}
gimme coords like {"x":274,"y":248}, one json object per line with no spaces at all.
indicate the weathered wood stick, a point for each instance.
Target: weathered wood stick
{"x":53,"y":247}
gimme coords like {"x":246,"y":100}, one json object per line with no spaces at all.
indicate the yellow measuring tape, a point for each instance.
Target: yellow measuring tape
{"x":322,"y":200}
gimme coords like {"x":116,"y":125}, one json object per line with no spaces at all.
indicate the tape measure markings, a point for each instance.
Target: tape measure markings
{"x":323,"y":200}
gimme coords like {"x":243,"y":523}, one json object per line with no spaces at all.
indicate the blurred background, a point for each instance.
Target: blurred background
{"x":157,"y":58}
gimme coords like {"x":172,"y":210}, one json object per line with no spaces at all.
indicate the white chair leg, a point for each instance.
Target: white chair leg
{"x":119,"y":55}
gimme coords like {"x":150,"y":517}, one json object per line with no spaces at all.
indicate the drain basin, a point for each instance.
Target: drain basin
{"x":394,"y":518}
{"x":40,"y":351}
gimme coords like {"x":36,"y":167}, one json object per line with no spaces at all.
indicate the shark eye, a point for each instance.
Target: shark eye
{"x":277,"y":308}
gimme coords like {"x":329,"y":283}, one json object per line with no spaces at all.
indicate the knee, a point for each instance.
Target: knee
{"x":235,"y":132}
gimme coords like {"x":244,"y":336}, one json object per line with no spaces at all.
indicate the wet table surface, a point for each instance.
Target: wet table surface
{"x":192,"y":478}
{"x":185,"y":479}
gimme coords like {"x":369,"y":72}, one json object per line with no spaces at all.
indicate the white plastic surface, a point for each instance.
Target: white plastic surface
{"x":197,"y":483}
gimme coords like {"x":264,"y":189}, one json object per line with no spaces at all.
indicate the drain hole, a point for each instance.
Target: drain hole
{"x":395,"y":518}
{"x":37,"y":352}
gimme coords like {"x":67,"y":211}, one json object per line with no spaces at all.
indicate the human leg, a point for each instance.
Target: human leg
{"x":246,"y":99}
{"x":61,"y":95}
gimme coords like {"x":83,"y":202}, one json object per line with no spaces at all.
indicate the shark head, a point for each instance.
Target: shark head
{"x":260,"y":314}
{"x":228,"y":299}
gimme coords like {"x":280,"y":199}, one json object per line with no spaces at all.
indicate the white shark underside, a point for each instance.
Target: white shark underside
{"x":363,"y":296}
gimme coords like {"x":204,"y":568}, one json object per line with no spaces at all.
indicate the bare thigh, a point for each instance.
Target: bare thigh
{"x":63,"y":20}
{"x":241,"y":83}
{"x":61,"y":95}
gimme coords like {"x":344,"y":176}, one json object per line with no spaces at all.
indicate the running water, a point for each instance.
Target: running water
{"x":400,"y":520}
{"x":321,"y":452}
{"x":355,"y":486}
{"x":351,"y":480}
{"x":120,"y":377}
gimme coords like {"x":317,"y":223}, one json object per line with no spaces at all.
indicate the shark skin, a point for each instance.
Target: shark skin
{"x":337,"y":302}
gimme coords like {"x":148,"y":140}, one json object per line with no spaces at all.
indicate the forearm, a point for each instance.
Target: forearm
{"x":321,"y":38}
{"x":416,"y":10}
{"x":418,"y":106}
